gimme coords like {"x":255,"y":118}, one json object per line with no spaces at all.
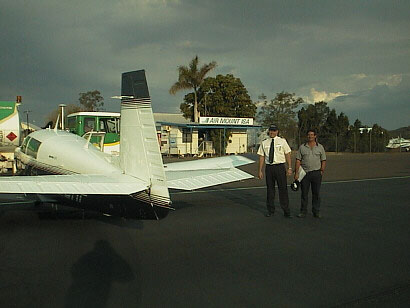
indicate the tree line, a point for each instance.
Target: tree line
{"x":225,"y":95}
{"x":335,"y":133}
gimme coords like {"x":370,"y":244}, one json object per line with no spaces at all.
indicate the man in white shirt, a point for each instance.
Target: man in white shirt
{"x":274,"y":152}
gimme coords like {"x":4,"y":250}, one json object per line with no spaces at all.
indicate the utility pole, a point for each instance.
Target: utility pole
{"x":370,"y":146}
{"x":354,"y":138}
{"x":206,"y":95}
{"x":28,"y":125}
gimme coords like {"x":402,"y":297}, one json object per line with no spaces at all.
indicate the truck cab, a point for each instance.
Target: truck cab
{"x":96,"y":125}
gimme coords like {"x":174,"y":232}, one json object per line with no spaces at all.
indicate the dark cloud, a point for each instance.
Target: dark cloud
{"x":385,"y":105}
{"x":53,"y":50}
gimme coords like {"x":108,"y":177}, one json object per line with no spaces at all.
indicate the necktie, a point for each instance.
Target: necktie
{"x":271,"y":151}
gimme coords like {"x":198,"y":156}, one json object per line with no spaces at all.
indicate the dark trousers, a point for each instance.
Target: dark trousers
{"x":314,"y":179}
{"x":276,"y":173}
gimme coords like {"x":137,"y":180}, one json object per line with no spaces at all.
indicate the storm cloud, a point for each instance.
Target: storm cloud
{"x":53,"y":50}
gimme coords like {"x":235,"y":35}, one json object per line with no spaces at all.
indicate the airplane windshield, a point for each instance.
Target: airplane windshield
{"x":71,"y":122}
{"x":24,"y":145}
{"x":32,"y":147}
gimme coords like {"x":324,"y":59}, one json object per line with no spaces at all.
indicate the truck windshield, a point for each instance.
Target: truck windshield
{"x":109,"y":125}
{"x":71,"y":122}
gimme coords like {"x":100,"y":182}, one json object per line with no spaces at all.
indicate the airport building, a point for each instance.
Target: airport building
{"x":176,"y":134}
{"x":179,"y":136}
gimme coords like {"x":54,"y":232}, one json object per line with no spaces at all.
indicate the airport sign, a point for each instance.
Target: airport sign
{"x":225,"y":121}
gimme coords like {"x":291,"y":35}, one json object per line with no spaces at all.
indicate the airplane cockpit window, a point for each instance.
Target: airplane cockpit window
{"x":32,"y":147}
{"x":24,"y":145}
{"x":89,"y":125}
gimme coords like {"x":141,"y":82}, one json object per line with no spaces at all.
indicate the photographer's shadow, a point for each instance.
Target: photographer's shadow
{"x":93,"y":275}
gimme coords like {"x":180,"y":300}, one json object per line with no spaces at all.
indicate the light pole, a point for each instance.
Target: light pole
{"x":210,"y":91}
{"x":370,"y":146}
{"x":28,"y":125}
{"x":206,"y":95}
{"x":354,"y":140}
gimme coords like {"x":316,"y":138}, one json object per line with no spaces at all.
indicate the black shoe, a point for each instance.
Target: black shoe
{"x":301,"y":215}
{"x":268,"y":214}
{"x":288,"y":215}
{"x":317,"y":215}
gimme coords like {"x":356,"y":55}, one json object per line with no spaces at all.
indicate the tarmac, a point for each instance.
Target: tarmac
{"x":218,"y":250}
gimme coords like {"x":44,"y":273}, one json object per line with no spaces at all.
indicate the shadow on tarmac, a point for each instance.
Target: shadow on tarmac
{"x":244,"y":197}
{"x":68,"y":214}
{"x":93,"y":275}
{"x":182,"y":205}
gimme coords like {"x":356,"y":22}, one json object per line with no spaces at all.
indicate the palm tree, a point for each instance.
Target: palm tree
{"x":191,"y":78}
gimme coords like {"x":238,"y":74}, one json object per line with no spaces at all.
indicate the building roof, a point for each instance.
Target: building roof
{"x":171,"y":118}
{"x":31,"y":125}
{"x":95,"y":113}
{"x":199,"y":125}
{"x":174,"y":119}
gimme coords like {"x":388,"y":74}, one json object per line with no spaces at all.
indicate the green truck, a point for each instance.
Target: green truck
{"x":103,"y":128}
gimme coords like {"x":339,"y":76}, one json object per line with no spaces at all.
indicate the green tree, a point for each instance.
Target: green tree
{"x":191,"y":78}
{"x":282,"y":111}
{"x":223,"y":96}
{"x":312,"y":117}
{"x":354,"y":136}
{"x":342,"y":131}
{"x":379,"y":138}
{"x":328,"y":136}
{"x":91,"y":101}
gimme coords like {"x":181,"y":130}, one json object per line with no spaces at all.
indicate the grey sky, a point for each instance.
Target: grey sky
{"x":353,"y":54}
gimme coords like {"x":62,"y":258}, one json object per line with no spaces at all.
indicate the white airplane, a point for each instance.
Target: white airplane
{"x":399,"y":143}
{"x":134,"y":184}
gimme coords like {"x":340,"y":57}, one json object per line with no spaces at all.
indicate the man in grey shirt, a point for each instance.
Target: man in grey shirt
{"x":312,"y":157}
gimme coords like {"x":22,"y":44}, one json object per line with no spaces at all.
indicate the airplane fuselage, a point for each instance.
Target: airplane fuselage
{"x":60,"y":152}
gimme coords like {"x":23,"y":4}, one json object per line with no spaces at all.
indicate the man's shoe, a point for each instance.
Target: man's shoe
{"x":268,"y":214}
{"x":317,"y":215}
{"x":288,"y":215}
{"x":301,"y":215}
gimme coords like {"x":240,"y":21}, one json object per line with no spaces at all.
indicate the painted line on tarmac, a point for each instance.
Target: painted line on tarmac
{"x":365,"y":180}
{"x":260,"y":187}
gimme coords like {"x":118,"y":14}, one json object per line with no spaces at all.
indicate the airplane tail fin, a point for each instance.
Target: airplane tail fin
{"x":140,"y":155}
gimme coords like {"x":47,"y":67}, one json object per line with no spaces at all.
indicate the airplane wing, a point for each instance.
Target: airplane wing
{"x":202,"y":173}
{"x":77,"y":184}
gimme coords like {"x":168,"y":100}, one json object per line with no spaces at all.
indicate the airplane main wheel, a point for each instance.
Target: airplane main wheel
{"x":31,"y":171}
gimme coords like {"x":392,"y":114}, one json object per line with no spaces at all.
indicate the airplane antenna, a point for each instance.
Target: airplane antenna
{"x":62,"y":115}
{"x":56,"y":126}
